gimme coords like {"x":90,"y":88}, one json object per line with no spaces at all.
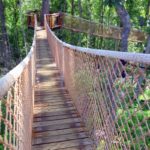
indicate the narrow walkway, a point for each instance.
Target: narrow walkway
{"x":57,"y":125}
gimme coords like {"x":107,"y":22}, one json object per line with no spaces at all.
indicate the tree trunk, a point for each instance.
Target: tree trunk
{"x":80,"y":14}
{"x":147,"y":50}
{"x":90,"y":38}
{"x":72,"y":7}
{"x":1,"y":51}
{"x":148,"y":10}
{"x":80,"y":8}
{"x":5,"y":58}
{"x":45,"y":10}
{"x":125,"y":21}
{"x":101,"y":20}
{"x":62,"y":5}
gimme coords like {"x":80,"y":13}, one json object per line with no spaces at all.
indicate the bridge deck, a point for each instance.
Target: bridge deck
{"x":57,"y":124}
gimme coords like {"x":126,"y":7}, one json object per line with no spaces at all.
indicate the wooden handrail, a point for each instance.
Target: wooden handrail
{"x":82,"y":25}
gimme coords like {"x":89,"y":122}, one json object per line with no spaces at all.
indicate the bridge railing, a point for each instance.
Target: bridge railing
{"x":16,"y":104}
{"x":81,"y":25}
{"x":98,"y":29}
{"x":111,"y":91}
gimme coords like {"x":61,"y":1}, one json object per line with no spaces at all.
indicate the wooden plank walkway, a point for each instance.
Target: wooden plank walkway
{"x":57,"y":125}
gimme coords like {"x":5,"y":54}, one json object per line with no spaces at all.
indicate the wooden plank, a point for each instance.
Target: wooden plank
{"x":52,"y":102}
{"x":46,"y":91}
{"x":60,"y":138}
{"x":64,"y":144}
{"x":53,"y":105}
{"x":57,"y":125}
{"x":51,"y":118}
{"x":59,"y":132}
{"x":82,"y":147}
{"x":50,"y":109}
{"x":56,"y":90}
{"x":55,"y":110}
{"x":55,"y":122}
{"x":52,"y":96}
{"x":50,"y":114}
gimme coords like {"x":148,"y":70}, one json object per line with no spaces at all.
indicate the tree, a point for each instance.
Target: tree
{"x":72,"y":7}
{"x":147,"y":51}
{"x":5,"y":53}
{"x":148,"y":10}
{"x":45,"y":10}
{"x":148,"y":39}
{"x":80,"y":8}
{"x":125,"y":22}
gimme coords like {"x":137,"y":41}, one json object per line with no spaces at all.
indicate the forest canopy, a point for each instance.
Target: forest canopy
{"x":127,"y":14}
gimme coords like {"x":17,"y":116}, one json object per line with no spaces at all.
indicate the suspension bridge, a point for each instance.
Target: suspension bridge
{"x":64,"y":97}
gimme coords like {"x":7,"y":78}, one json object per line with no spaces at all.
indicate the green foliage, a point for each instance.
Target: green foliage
{"x":112,"y":2}
{"x":128,"y":123}
{"x":147,"y":30}
{"x":20,"y":38}
{"x":136,"y":47}
{"x":145,"y":95}
{"x":2,"y":127}
{"x":131,"y":113}
{"x":98,"y":10}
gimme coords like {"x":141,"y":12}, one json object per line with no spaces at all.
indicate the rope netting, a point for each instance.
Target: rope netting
{"x":16,"y":104}
{"x":111,"y":91}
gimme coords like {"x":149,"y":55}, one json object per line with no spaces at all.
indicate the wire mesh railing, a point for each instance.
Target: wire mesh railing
{"x":16,"y":104}
{"x":111,"y":91}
